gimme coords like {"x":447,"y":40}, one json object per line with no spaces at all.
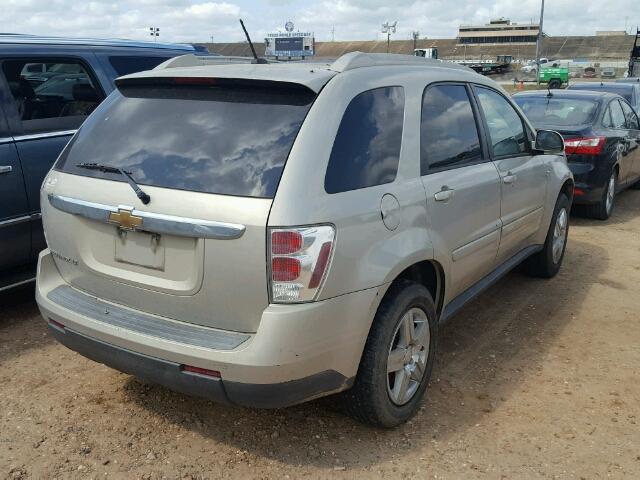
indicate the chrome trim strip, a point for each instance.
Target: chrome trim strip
{"x":37,"y":136}
{"x":22,"y":219}
{"x":125,"y":319}
{"x":17,"y":284}
{"x":152,"y":222}
{"x":90,"y":210}
{"x":15,"y":221}
{"x":4,"y":140}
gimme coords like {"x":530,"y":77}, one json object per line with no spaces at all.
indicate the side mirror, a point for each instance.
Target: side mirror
{"x":548,"y":141}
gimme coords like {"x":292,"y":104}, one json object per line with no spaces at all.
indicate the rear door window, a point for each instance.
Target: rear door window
{"x":126,"y":64}
{"x":448,"y":131}
{"x":631,"y":117}
{"x":51,"y":95}
{"x":224,"y":139}
{"x":366,"y":150}
{"x":617,"y":115}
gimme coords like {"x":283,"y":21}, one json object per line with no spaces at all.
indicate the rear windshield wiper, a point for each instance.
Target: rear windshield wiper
{"x":144,"y":198}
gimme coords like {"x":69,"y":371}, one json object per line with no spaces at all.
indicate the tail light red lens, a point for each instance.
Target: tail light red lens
{"x":299,"y":259}
{"x":321,"y":265}
{"x":285,"y":242}
{"x":285,"y":269}
{"x":584,"y":145}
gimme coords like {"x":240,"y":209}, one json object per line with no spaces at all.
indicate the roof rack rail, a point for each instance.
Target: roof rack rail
{"x":195,"y":60}
{"x":25,"y":38}
{"x":350,"y":61}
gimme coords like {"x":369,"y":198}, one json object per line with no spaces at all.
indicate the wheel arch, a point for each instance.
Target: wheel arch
{"x":568,"y":188}
{"x":429,"y":273}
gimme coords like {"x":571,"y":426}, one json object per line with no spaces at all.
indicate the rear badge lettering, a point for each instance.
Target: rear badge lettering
{"x":70,"y":260}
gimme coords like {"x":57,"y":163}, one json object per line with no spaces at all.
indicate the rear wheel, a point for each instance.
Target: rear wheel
{"x":397,"y":359}
{"x":602,"y":210}
{"x":547,"y":262}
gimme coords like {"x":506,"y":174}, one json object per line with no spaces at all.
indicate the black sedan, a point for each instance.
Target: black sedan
{"x":602,"y":141}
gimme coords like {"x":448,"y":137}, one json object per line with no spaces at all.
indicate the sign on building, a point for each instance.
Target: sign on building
{"x":289,"y":43}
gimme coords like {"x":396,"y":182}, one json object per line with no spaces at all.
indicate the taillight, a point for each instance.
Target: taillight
{"x":299,"y":261}
{"x":584,"y":145}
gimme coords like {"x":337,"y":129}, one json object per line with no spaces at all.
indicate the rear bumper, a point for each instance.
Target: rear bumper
{"x":299,"y":352}
{"x":172,"y":375}
{"x":590,"y":182}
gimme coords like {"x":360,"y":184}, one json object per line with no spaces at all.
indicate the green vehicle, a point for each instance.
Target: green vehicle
{"x":555,"y":77}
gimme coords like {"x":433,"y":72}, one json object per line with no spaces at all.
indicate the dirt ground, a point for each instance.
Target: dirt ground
{"x":535,"y":379}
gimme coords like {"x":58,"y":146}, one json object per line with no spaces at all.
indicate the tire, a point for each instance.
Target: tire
{"x":375,"y":398}
{"x":546,"y":263}
{"x":602,"y":210}
{"x":555,"y":83}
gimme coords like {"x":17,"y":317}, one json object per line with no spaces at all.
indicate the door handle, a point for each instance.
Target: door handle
{"x":5,"y":169}
{"x":443,"y":195}
{"x":509,"y":178}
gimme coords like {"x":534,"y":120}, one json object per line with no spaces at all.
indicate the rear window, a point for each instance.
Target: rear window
{"x":224,"y":139}
{"x":125,"y":64}
{"x":562,"y":112}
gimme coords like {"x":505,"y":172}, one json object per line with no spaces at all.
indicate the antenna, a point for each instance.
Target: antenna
{"x":253,"y":50}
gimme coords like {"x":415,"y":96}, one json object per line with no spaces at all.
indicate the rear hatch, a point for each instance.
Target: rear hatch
{"x":210,"y":155}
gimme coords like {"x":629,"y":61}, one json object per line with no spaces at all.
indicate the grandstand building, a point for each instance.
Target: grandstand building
{"x":498,"y":31}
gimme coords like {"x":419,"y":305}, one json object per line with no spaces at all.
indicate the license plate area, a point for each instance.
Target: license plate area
{"x":140,"y":248}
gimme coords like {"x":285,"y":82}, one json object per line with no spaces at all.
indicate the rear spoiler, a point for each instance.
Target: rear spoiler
{"x":211,"y":82}
{"x":194,"y":60}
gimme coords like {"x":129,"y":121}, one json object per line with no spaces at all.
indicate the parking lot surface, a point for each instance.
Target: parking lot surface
{"x":535,"y":378}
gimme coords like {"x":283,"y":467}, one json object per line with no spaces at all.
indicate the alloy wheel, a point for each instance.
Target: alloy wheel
{"x":407,"y":358}
{"x":560,"y":234}
{"x":611,"y":193}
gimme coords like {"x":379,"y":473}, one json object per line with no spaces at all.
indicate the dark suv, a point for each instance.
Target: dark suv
{"x":48,"y":86}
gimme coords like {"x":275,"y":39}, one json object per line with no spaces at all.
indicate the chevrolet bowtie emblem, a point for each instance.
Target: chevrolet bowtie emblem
{"x":125,"y":219}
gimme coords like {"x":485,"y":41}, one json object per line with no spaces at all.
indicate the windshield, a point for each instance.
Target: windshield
{"x":562,"y":112}
{"x":623,"y":91}
{"x":224,"y":140}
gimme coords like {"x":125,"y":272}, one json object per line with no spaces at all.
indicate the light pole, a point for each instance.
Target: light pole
{"x":415,"y":35}
{"x":154,"y":32}
{"x":389,"y":28}
{"x":539,"y":43}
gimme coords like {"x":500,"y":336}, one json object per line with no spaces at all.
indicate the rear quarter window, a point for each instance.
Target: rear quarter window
{"x":366,"y":150}
{"x":126,"y":64}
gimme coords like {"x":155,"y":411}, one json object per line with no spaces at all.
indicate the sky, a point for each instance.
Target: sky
{"x":205,"y":20}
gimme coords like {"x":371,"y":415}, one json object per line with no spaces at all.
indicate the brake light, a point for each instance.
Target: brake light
{"x":285,"y":269}
{"x":194,"y":81}
{"x":285,"y":242}
{"x":584,"y":145}
{"x":299,"y":259}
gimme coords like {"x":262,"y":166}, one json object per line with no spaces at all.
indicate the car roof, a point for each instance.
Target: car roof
{"x":25,"y":39}
{"x":601,"y":85}
{"x":632,"y":80}
{"x":311,"y":75}
{"x":588,"y":94}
